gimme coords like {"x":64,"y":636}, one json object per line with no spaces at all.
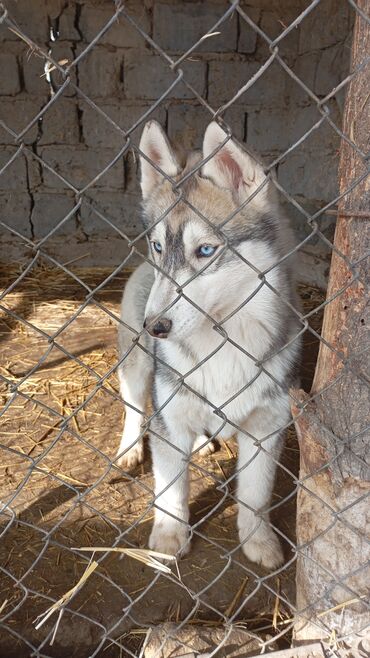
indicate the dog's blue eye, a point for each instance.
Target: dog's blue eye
{"x":206,"y":250}
{"x":157,"y":247}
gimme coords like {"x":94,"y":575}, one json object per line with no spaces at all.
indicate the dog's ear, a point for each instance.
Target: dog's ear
{"x":231,"y":167}
{"x":155,"y":145}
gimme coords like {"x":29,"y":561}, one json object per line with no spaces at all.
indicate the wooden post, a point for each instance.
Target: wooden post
{"x":333,"y":502}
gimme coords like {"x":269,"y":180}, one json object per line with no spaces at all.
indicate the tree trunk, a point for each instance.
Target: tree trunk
{"x":333,"y":500}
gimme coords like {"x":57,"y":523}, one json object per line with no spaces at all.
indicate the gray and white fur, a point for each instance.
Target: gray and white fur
{"x":221,"y":335}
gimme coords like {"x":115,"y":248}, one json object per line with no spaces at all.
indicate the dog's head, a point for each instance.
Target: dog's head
{"x":198,"y":224}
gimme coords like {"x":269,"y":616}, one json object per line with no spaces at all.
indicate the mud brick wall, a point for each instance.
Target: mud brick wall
{"x":124,"y":77}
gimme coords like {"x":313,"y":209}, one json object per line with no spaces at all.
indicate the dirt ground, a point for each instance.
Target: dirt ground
{"x":61,"y":491}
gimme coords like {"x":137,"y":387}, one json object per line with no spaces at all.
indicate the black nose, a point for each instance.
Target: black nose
{"x":160,"y":328}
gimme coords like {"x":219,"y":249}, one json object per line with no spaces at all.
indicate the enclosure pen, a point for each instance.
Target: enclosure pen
{"x":79,"y":81}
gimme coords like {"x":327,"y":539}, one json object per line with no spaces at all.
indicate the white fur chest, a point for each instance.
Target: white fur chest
{"x":224,"y":374}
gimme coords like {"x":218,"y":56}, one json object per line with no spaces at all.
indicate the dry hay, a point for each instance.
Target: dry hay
{"x":69,"y":495}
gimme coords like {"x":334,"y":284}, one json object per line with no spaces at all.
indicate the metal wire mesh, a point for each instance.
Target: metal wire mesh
{"x":26,"y":594}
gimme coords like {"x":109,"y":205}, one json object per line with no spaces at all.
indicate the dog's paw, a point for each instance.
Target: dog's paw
{"x":204,"y":446}
{"x":207,"y":449}
{"x":263,"y":548}
{"x":170,"y":537}
{"x":132,"y":457}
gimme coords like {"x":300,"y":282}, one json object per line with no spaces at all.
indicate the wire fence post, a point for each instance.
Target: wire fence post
{"x":334,"y":430}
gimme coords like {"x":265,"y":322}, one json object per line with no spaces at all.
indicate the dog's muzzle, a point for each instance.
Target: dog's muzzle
{"x":158,"y":328}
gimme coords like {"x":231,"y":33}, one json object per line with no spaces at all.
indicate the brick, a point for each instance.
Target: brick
{"x":98,"y":131}
{"x":178,"y":26}
{"x":248,"y":36}
{"x":100,"y":250}
{"x":100,"y":73}
{"x":301,"y":174}
{"x":314,"y":257}
{"x":14,"y":177}
{"x":187,"y":123}
{"x":67,"y":23}
{"x":10,"y":82}
{"x":21,"y":174}
{"x":15,"y":212}
{"x":273,"y":23}
{"x":80,"y":165}
{"x":49,"y":209}
{"x":17,"y":114}
{"x":328,"y":23}
{"x":33,"y":70}
{"x":236,"y":119}
{"x":264,"y":132}
{"x":225,"y":78}
{"x":149,"y":76}
{"x":120,"y":208}
{"x":32,"y":19}
{"x":305,"y":69}
{"x":121,"y":34}
{"x":60,"y":123}
{"x":62,"y":50}
{"x":132,"y":177}
{"x":5,"y":33}
{"x":34,"y":179}
{"x":124,"y":78}
{"x":270,"y":130}
{"x":333,"y":67}
{"x":301,"y":227}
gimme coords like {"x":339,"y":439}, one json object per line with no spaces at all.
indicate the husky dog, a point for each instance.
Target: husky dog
{"x":216,"y":308}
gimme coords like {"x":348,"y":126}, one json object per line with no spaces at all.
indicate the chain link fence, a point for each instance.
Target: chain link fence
{"x":66,"y":502}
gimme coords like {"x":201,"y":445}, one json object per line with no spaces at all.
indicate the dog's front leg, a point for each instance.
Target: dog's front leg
{"x":256,"y":467}
{"x":170,"y":456}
